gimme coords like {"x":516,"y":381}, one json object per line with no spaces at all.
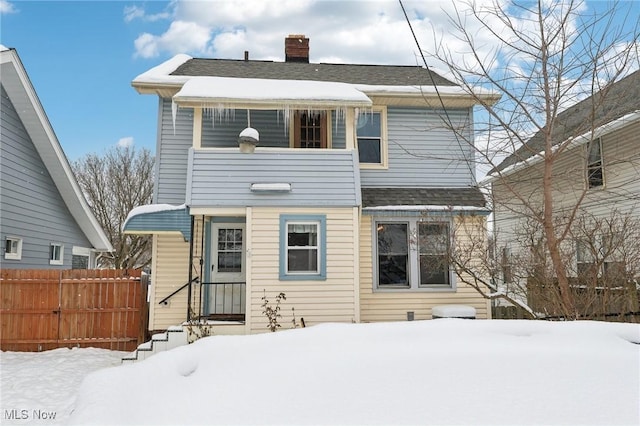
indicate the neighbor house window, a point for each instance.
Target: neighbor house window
{"x":80,"y":258}
{"x":585,"y":258}
{"x":56,"y":252}
{"x":614,"y":266}
{"x":302,"y":247}
{"x":595,"y":175}
{"x":310,"y":129}
{"x":412,"y":254}
{"x":13,"y":248}
{"x":370,"y":133}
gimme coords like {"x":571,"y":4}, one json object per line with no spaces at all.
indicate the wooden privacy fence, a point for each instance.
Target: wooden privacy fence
{"x":47,"y":309}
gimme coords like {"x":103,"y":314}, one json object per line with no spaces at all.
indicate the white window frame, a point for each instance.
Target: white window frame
{"x":53,"y":259}
{"x":384,"y":152}
{"x":593,"y":165}
{"x":413,"y":268}
{"x":13,"y":255}
{"x":316,"y":247}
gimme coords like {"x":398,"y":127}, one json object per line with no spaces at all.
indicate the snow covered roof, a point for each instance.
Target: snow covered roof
{"x":158,"y":218}
{"x":379,"y":80}
{"x":222,"y":91}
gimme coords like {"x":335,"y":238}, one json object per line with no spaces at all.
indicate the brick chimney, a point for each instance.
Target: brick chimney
{"x":296,"y":48}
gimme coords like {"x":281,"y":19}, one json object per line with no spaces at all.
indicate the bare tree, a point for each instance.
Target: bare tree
{"x":114,"y":184}
{"x":542,"y":57}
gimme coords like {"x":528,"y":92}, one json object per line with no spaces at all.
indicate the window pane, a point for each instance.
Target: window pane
{"x":229,"y":262}
{"x":434,"y":269}
{"x":302,"y":260}
{"x":393,"y":254}
{"x":434,"y":253}
{"x":302,"y":235}
{"x":369,"y":151}
{"x":79,"y":262}
{"x":369,"y":125}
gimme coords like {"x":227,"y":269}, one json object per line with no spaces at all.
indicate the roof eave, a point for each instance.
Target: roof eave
{"x":52,"y":155}
{"x":571,"y":143}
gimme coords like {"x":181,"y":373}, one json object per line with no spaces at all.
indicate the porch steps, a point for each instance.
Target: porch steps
{"x":172,"y":338}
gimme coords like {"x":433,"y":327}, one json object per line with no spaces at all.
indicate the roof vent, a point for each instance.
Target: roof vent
{"x":248,"y":140}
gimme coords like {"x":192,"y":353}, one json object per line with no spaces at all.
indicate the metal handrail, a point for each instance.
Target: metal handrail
{"x":164,"y":301}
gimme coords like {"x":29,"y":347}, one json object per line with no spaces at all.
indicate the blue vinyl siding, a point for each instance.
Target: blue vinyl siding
{"x":31,"y":208}
{"x":172,"y":154}
{"x":423,"y":152}
{"x":223,"y":178}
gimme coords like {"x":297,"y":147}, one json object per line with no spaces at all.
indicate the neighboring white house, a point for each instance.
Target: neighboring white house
{"x":599,"y":171}
{"x":348,"y":204}
{"x":45,"y":222}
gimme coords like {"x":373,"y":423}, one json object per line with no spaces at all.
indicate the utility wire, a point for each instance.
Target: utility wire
{"x":446,"y":113}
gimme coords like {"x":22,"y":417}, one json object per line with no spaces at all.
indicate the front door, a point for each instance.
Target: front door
{"x":226,"y":290}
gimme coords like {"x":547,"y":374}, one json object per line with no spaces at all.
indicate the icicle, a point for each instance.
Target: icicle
{"x":248,"y":118}
{"x":174,"y":114}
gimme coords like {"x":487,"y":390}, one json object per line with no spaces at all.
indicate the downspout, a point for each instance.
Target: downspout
{"x":189,"y":291}
{"x":202,"y":237}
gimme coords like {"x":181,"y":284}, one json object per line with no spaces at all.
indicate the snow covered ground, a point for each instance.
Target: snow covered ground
{"x":440,"y":372}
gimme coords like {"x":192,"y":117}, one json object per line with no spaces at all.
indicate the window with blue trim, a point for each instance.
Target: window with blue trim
{"x":302,"y":247}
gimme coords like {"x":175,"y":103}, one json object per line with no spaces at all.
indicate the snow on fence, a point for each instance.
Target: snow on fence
{"x":47,"y":309}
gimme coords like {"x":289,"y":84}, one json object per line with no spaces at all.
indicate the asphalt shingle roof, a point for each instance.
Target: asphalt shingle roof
{"x":468,"y":197}
{"x":387,"y":75}
{"x":611,"y":103}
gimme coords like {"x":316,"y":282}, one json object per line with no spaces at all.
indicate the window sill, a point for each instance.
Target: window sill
{"x":12,"y":256}
{"x":56,"y":262}
{"x":314,"y":277}
{"x":433,"y":289}
{"x":373,"y":166}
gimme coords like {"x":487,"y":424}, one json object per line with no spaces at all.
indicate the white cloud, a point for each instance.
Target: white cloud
{"x":352,"y":31}
{"x":6,"y":7}
{"x":125,"y":142}
{"x":181,"y":37}
{"x":136,"y":12}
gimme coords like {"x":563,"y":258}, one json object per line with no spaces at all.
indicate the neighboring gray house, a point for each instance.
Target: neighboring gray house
{"x":599,"y":170}
{"x":45,"y":222}
{"x":348,"y":204}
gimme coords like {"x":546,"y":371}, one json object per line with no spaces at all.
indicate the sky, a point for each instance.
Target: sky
{"x":81,"y":56}
{"x":433,"y":372}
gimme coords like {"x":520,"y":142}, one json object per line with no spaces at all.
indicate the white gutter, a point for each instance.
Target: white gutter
{"x":580,"y":140}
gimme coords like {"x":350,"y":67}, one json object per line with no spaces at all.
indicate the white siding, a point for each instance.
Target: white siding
{"x":331,"y":300}
{"x":393,"y":306}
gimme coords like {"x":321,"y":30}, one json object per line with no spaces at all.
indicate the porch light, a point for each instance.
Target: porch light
{"x":270,"y":187}
{"x":248,"y":140}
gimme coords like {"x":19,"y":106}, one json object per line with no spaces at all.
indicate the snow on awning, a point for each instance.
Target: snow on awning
{"x":228,"y":92}
{"x":159,"y":218}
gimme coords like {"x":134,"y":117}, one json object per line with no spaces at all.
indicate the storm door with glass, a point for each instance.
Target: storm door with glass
{"x":226,"y":293}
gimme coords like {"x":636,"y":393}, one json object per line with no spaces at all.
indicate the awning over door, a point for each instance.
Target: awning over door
{"x":159,"y":219}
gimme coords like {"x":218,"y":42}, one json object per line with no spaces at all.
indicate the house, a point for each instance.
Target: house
{"x":45,"y":222}
{"x":598,"y":170}
{"x":347,"y":205}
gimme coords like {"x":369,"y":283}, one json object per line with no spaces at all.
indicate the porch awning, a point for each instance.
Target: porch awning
{"x":159,"y":219}
{"x":228,"y":92}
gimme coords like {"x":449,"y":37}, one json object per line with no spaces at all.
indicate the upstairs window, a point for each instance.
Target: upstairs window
{"x":13,"y":248}
{"x":595,"y":175}
{"x":310,"y":129}
{"x":56,"y":253}
{"x":370,"y":133}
